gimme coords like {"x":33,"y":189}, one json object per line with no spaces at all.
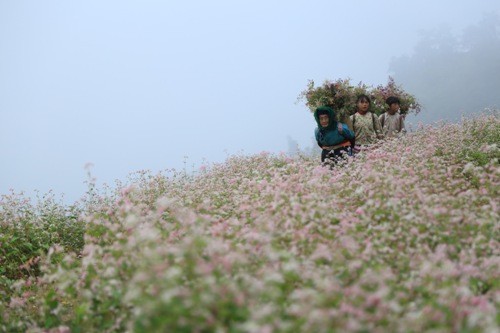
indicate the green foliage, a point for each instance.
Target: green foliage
{"x":29,"y":231}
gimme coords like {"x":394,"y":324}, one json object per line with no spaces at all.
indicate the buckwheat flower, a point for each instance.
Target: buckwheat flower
{"x":490,"y":148}
{"x":469,"y":167}
{"x":168,"y":295}
{"x":360,"y":211}
{"x":353,"y":325}
{"x":290,"y":266}
{"x":251,"y":326}
{"x":109,"y":271}
{"x":479,"y":319}
{"x":164,"y":203}
{"x":322,"y":252}
{"x":349,"y":243}
{"x":354,"y":265}
{"x":274,"y":277}
{"x":16,"y":302}
{"x":146,"y":233}
{"x":266,"y":310}
{"x":131,"y":221}
{"x":60,"y":329}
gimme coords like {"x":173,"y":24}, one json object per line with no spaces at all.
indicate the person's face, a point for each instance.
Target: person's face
{"x":363,"y":106}
{"x":324,"y":120}
{"x":393,"y":108}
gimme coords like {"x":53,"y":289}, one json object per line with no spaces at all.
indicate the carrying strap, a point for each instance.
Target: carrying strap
{"x":343,"y":144}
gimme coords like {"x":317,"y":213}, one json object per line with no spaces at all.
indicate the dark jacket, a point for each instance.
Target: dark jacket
{"x":330,"y":135}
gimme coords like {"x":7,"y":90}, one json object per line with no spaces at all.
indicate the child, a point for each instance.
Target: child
{"x":365,"y":124}
{"x":332,"y":136}
{"x":392,"y":121}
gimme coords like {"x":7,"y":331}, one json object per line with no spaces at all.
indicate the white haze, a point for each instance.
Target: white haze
{"x":153,"y":85}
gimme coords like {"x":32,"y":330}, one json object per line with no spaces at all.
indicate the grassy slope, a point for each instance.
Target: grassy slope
{"x":404,"y":238}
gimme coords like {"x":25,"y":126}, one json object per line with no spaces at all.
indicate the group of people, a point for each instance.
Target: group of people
{"x":351,"y":134}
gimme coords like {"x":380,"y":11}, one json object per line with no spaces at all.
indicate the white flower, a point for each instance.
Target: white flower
{"x":469,"y":167}
{"x":131,"y":221}
{"x":164,"y":202}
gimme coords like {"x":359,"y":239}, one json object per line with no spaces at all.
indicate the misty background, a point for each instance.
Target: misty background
{"x":153,"y":85}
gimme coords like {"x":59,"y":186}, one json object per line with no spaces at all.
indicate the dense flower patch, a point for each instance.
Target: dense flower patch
{"x":404,"y":238}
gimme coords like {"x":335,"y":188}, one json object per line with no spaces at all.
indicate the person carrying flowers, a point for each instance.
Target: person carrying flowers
{"x":332,"y":136}
{"x":366,"y":124}
{"x":392,"y":121}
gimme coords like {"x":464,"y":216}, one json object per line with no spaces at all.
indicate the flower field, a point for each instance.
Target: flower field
{"x":403,"y":238}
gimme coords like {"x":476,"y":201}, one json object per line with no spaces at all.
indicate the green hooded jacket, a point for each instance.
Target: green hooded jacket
{"x":330,"y":135}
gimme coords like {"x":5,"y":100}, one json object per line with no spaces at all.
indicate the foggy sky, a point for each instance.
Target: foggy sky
{"x":134,"y":85}
{"x":454,"y":75}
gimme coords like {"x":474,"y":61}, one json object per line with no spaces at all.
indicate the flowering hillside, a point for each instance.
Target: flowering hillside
{"x":404,"y":238}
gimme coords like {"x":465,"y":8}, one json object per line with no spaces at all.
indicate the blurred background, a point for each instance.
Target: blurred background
{"x":123,"y":86}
